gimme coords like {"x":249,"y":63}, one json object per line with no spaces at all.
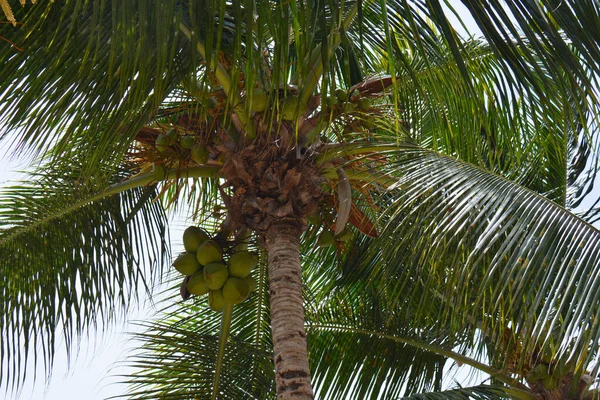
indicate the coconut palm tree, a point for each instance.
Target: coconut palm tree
{"x":412,"y":194}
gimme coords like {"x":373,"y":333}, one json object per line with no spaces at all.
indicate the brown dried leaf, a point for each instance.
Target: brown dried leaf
{"x":373,"y":85}
{"x":362,"y":222}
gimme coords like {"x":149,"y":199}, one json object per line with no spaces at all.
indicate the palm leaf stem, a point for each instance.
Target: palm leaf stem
{"x":347,"y":149}
{"x":223,"y":78}
{"x":360,"y":176}
{"x":137,"y":181}
{"x":427,"y":347}
{"x":224,"y":334}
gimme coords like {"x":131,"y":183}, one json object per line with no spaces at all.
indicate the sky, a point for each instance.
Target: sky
{"x":93,"y":372}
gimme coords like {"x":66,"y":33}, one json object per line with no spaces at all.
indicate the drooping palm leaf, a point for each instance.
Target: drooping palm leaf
{"x":87,"y":69}
{"x":65,"y":272}
{"x":505,"y":258}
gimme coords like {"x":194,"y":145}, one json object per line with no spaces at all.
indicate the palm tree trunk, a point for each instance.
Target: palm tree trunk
{"x":292,"y":374}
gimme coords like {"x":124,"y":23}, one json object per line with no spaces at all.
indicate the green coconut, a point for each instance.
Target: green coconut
{"x":367,"y":123}
{"x":235,"y":290}
{"x":172,"y":135}
{"x":209,"y":252}
{"x":215,"y":275}
{"x":241,"y":263}
{"x":289,"y":108}
{"x":341,"y":94}
{"x":162,"y":143}
{"x":199,"y":153}
{"x":325,"y":239}
{"x":187,"y":142}
{"x":251,"y":282}
{"x":349,"y":107}
{"x":193,"y":237}
{"x":186,"y":263}
{"x":210,"y":103}
{"x":196,"y":284}
{"x":314,"y":219}
{"x":344,"y":235}
{"x":331,"y":101}
{"x":260,"y":100}
{"x":364,"y":103}
{"x":159,"y":172}
{"x":216,"y":302}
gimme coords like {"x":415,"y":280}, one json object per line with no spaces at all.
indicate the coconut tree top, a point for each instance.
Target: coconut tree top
{"x":425,"y":182}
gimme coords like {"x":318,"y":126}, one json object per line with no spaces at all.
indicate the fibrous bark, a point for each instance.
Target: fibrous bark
{"x":292,"y":374}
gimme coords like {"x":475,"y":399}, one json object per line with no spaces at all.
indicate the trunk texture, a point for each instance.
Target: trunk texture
{"x":292,"y":374}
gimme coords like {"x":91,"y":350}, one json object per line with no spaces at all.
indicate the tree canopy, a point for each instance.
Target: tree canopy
{"x":460,"y":169}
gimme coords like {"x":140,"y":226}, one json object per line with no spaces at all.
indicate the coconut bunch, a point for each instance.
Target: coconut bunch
{"x":198,"y":151}
{"x":207,"y":272}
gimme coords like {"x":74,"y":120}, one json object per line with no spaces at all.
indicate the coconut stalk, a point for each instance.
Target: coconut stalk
{"x":224,"y":335}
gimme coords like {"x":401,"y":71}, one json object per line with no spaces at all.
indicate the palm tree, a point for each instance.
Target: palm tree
{"x":412,"y":193}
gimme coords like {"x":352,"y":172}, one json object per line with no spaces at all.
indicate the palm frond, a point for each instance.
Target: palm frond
{"x":177,"y":361}
{"x":81,"y":68}
{"x":506,"y":258}
{"x":67,"y":272}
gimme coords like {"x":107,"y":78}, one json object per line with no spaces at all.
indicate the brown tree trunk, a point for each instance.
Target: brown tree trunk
{"x":292,"y":374}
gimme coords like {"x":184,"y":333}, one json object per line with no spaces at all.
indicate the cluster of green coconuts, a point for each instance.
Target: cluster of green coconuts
{"x":259,"y":102}
{"x":327,"y":238}
{"x":198,"y":151}
{"x":225,"y":282}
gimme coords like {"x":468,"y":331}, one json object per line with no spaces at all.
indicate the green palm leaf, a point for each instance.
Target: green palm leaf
{"x":67,"y":271}
{"x":506,"y":256}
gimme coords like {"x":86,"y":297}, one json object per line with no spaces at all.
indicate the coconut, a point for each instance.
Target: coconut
{"x":186,"y":263}
{"x":187,"y":142}
{"x":289,"y":108}
{"x":314,"y":219}
{"x":364,"y":103}
{"x":196,"y":284}
{"x":344,"y":235}
{"x":349,"y":107}
{"x":235,"y":290}
{"x":210,"y":103}
{"x":260,"y":101}
{"x":159,"y":172}
{"x":199,"y":154}
{"x":209,"y":252}
{"x":193,"y":237}
{"x":172,"y":135}
{"x":162,"y":143}
{"x":331,"y":101}
{"x":341,"y":94}
{"x":325,"y":239}
{"x":216,"y":302}
{"x":241,"y":263}
{"x":215,"y":275}
{"x":251,"y":282}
